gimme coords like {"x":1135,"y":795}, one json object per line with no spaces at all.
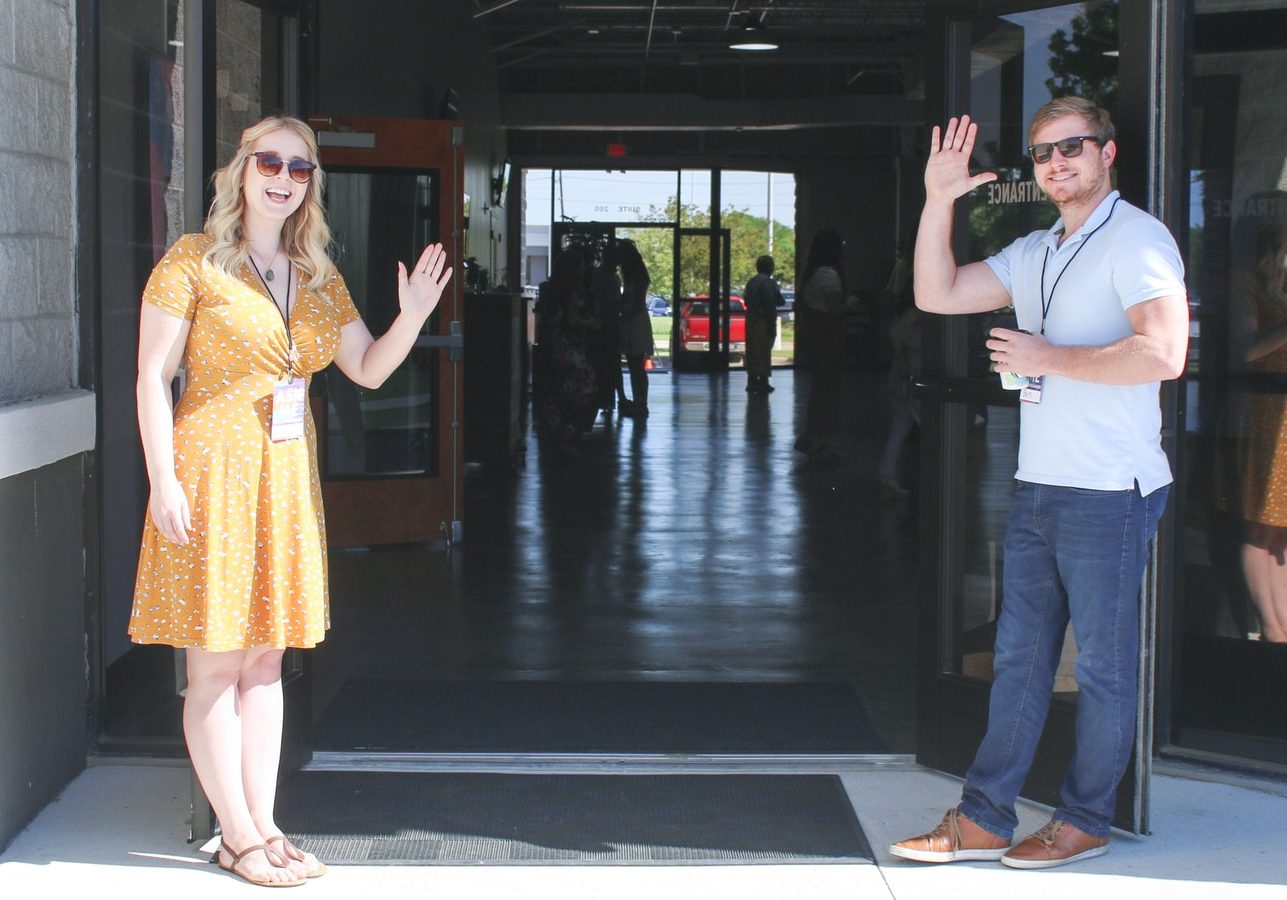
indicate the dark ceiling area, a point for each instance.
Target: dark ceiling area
{"x":825,"y":48}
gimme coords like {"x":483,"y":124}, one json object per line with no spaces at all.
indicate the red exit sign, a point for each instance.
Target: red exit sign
{"x":617,"y":150}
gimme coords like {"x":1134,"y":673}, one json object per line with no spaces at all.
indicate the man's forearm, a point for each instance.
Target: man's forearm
{"x":1137,"y":359}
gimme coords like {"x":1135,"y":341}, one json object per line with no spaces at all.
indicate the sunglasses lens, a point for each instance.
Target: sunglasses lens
{"x":1069,"y":147}
{"x":267,"y":164}
{"x":1041,"y":153}
{"x":301,"y":170}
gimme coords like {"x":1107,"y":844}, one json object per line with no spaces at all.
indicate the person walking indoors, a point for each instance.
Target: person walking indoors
{"x":1102,"y":320}
{"x":233,"y":561}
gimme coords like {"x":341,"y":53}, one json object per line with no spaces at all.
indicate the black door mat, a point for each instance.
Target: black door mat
{"x":596,"y":717}
{"x":365,"y":818}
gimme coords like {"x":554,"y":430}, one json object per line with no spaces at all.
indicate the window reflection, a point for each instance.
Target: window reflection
{"x":1233,"y":610}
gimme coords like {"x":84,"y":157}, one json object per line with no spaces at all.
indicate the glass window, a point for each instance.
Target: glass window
{"x":598,"y":196}
{"x":1231,"y":615}
{"x":695,"y":198}
{"x":1018,"y":62}
{"x":377,"y":219}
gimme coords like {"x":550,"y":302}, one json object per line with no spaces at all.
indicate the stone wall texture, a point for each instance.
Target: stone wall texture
{"x":38,"y":328}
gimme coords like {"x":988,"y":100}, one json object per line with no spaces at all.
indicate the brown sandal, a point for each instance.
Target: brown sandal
{"x":269,"y":854}
{"x":290,"y":851}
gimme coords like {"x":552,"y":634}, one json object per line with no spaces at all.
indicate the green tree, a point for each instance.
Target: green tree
{"x":1079,"y":64}
{"x":748,"y":235}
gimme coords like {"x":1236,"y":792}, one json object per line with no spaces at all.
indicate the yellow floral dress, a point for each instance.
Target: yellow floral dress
{"x":253,"y":573}
{"x":1264,"y":446}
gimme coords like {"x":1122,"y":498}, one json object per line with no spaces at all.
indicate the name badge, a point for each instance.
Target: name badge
{"x":1031,"y":392}
{"x":289,"y":399}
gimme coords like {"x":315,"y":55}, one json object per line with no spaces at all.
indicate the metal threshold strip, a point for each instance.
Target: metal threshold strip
{"x":591,"y":763}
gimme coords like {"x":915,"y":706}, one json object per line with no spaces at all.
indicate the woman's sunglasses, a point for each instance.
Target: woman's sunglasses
{"x":269,"y":164}
{"x":1068,"y":148}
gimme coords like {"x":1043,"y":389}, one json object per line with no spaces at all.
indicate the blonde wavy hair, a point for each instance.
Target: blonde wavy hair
{"x":305,"y":235}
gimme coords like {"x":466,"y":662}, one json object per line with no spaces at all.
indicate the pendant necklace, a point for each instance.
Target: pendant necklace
{"x":268,"y":269}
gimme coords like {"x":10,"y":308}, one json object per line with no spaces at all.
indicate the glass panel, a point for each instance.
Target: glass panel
{"x":758,"y":209}
{"x":538,"y":198}
{"x":695,"y":198}
{"x":992,"y":446}
{"x":246,"y":62}
{"x":140,"y":84}
{"x":379,"y":218}
{"x":1233,"y":604}
{"x":597,"y":196}
{"x":1018,"y":62}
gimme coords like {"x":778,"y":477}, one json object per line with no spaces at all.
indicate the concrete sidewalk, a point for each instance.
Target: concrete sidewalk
{"x":118,"y":831}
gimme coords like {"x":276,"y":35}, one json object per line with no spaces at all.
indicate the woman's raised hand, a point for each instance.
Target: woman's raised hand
{"x":419,"y":292}
{"x":947,"y":172}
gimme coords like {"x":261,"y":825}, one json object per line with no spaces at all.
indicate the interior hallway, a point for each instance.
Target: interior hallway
{"x":693,"y":547}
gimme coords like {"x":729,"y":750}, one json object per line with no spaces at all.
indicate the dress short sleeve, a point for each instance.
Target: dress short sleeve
{"x":173,"y":282}
{"x":336,"y":291}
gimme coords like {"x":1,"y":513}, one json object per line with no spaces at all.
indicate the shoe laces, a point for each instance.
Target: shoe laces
{"x":952,"y":826}
{"x":1049,"y":833}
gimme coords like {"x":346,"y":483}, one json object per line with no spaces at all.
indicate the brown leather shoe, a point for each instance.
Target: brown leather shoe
{"x":1055,"y":844}
{"x":955,"y":839}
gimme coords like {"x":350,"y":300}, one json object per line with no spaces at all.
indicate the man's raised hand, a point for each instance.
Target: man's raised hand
{"x":947,"y":172}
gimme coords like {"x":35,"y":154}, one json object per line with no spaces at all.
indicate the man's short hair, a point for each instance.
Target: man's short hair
{"x":1099,"y":120}
{"x":764,"y":265}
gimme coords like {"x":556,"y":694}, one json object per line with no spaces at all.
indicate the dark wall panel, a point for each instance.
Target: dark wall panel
{"x":43,"y":733}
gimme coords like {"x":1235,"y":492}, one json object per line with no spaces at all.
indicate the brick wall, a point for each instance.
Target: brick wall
{"x":37,"y":200}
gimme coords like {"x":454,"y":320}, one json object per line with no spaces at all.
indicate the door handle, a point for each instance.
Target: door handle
{"x":454,"y":341}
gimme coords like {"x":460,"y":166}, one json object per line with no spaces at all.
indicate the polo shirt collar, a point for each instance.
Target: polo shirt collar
{"x":1096,"y":219}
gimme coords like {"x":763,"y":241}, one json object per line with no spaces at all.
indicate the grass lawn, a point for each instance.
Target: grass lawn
{"x":783,"y":348}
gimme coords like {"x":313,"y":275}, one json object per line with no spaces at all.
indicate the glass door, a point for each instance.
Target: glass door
{"x":1230,"y":630}
{"x":708,"y":323}
{"x":390,"y":457}
{"x":1001,"y":62}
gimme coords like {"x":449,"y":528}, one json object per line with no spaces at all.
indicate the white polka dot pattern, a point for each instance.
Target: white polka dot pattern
{"x":253,"y":573}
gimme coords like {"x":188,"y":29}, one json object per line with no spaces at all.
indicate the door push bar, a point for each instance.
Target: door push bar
{"x":454,"y":341}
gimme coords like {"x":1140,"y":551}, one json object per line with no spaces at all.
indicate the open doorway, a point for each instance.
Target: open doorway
{"x":667,"y":214}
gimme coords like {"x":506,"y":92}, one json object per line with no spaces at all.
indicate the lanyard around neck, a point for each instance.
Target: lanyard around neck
{"x":1045,"y":303}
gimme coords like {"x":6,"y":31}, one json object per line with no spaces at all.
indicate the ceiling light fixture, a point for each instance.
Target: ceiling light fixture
{"x":753,"y":37}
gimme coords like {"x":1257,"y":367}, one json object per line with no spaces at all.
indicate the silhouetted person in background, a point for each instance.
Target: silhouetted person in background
{"x":763,"y":297}
{"x":822,"y":302}
{"x":567,"y":401}
{"x":605,"y":340}
{"x":636,"y":329}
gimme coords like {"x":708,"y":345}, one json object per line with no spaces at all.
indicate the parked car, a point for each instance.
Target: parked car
{"x":787,"y":309}
{"x":657,"y":305}
{"x":691,"y":338}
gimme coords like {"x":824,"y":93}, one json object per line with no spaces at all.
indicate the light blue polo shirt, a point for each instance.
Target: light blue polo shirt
{"x":1085,"y":435}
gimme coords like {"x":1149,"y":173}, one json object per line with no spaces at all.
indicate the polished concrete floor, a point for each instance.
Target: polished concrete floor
{"x":693,"y":546}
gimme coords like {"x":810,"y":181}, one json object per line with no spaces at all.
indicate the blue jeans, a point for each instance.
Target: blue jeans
{"x":1069,"y":554}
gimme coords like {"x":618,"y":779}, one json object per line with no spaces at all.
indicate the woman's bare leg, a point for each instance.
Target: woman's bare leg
{"x":1266,"y":577}
{"x":259,"y":691}
{"x":212,"y":725}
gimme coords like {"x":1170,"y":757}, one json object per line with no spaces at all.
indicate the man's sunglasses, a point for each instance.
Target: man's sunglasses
{"x":1068,"y":148}
{"x":269,"y":164}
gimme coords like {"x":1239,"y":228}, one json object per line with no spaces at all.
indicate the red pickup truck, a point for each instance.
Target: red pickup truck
{"x":691,"y":337}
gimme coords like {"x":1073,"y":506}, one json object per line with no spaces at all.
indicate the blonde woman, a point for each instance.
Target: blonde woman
{"x":233,"y":560}
{"x":1260,"y":238}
